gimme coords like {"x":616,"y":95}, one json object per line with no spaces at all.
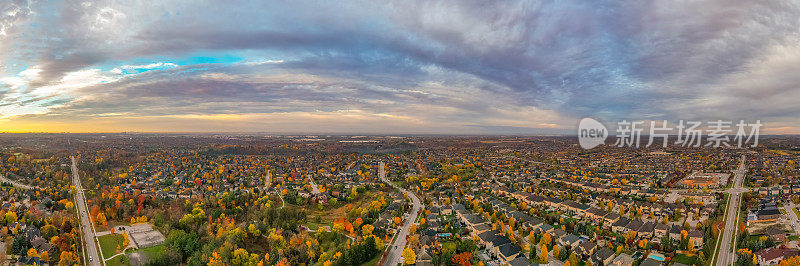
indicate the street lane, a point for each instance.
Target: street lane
{"x":396,"y":253}
{"x":86,"y":225}
{"x":726,"y":256}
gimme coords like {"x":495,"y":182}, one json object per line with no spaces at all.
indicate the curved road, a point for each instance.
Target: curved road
{"x":396,"y":253}
{"x":83,"y":213}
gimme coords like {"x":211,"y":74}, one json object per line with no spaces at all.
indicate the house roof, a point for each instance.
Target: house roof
{"x":520,"y":261}
{"x":661,"y":226}
{"x":603,"y":254}
{"x":776,"y":252}
{"x":623,"y":259}
{"x":651,"y":262}
{"x":621,"y":222}
{"x":570,"y":238}
{"x":509,"y":249}
{"x":587,"y":245}
{"x":483,"y":227}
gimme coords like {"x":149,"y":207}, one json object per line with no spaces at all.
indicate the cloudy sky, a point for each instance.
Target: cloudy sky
{"x":454,"y":67}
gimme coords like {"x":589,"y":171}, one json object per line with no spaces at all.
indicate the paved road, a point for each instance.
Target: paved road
{"x":792,"y":217}
{"x":314,"y":188}
{"x":726,"y":256}
{"x":396,"y":253}
{"x":14,"y":183}
{"x":86,"y":225}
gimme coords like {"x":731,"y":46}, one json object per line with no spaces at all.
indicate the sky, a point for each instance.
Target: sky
{"x":394,"y":67}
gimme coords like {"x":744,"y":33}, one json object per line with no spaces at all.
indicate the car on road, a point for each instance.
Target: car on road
{"x":90,"y":257}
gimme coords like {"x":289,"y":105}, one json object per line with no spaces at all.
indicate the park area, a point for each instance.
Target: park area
{"x":110,"y":244}
{"x":109,"y":247}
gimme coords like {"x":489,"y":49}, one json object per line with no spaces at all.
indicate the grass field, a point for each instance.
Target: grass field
{"x":328,"y":216}
{"x":153,"y":251}
{"x":109,"y":243}
{"x":120,"y":260}
{"x":315,"y":226}
{"x":682,"y":258}
{"x":449,"y":246}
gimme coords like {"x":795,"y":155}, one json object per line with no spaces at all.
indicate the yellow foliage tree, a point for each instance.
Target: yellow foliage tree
{"x":366,"y":230}
{"x":409,"y":257}
{"x":125,"y":240}
{"x":543,"y":254}
{"x":215,"y":260}
{"x":33,"y":253}
{"x":556,"y":251}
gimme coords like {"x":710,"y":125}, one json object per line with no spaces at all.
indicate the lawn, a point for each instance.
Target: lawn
{"x":120,"y":260}
{"x":109,"y":243}
{"x":316,"y":226}
{"x":451,"y":246}
{"x":153,"y":251}
{"x":329,"y":215}
{"x":682,"y":258}
{"x":373,"y":261}
{"x":150,"y":252}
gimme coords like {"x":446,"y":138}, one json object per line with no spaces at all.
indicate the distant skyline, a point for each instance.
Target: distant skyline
{"x":394,"y":67}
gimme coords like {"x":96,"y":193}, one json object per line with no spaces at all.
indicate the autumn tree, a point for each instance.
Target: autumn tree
{"x":125,"y":240}
{"x":463,"y":259}
{"x":240,"y":257}
{"x":65,"y":259}
{"x":32,"y":253}
{"x":573,"y":259}
{"x":556,"y":251}
{"x":543,"y":255}
{"x":409,"y":257}
{"x":366,"y":230}
{"x":397,"y":221}
{"x":101,"y":219}
{"x":215,"y":260}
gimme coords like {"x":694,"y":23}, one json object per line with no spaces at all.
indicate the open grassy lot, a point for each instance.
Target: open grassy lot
{"x":109,"y":243}
{"x":329,"y":215}
{"x":153,"y":251}
{"x":120,"y":260}
{"x":682,"y":258}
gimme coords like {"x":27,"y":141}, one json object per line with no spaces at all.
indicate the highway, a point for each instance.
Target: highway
{"x":396,"y":253}
{"x":726,"y":256}
{"x":86,"y":225}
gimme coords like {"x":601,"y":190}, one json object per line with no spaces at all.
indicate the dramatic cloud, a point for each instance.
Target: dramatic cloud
{"x":504,"y":67}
